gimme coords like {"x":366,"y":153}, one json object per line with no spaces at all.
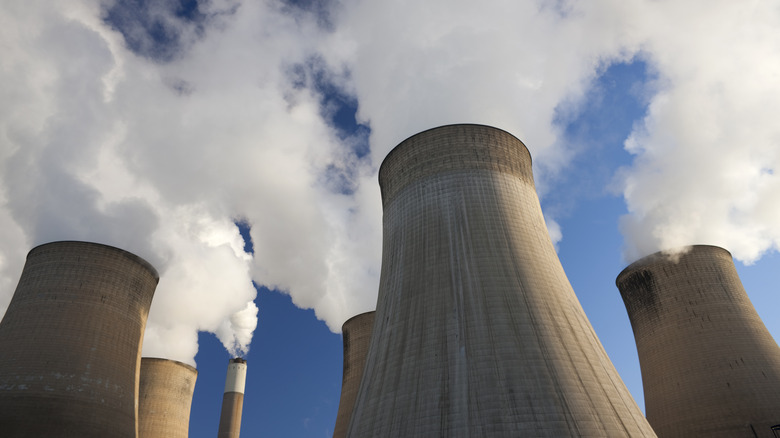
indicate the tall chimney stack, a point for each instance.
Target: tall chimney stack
{"x":233,"y":400}
{"x":709,"y":365}
{"x":478,"y":332}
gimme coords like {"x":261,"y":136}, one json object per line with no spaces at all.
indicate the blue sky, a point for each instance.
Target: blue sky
{"x":158,"y":126}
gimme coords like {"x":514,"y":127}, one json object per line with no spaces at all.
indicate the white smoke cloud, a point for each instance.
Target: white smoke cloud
{"x":554,"y":230}
{"x":508,"y":64}
{"x":159,"y":158}
{"x":237,"y":332}
{"x":159,"y":149}
{"x":707,"y":154}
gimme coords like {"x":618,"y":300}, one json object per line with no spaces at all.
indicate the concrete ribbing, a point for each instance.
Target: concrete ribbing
{"x":357,"y":335}
{"x":709,"y":365}
{"x":165,"y":397}
{"x":71,"y":342}
{"x":478,"y":331}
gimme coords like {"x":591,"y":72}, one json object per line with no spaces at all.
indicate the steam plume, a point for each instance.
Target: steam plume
{"x":156,"y":141}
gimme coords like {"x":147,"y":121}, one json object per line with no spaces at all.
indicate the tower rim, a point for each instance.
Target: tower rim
{"x":400,"y":144}
{"x":138,"y":259}
{"x":355,"y":317}
{"x":172,"y":361}
{"x":665,"y":256}
{"x":459,"y":147}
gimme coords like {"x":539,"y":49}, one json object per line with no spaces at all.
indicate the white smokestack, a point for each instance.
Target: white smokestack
{"x":233,"y":399}
{"x":236,"y":376}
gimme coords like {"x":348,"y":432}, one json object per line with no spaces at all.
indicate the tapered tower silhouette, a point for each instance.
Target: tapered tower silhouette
{"x":709,"y":366}
{"x":478,"y":332}
{"x":71,"y":342}
{"x":233,"y":399}
{"x":165,"y":398}
{"x":356,"y":332}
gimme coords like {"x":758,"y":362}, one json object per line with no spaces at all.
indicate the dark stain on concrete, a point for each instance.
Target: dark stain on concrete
{"x":640,"y":292}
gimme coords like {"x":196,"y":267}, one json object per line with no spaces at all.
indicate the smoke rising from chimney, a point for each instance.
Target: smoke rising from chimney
{"x":707,"y":153}
{"x":156,"y":147}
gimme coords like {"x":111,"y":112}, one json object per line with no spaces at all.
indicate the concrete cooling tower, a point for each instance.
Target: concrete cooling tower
{"x":709,"y":366}
{"x":71,"y":342}
{"x":478,"y":332}
{"x":165,"y":398}
{"x":357,"y":335}
{"x":233,"y":399}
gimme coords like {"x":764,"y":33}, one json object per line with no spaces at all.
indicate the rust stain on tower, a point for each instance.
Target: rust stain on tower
{"x":709,"y":365}
{"x":165,"y":398}
{"x":71,"y":342}
{"x":478,"y":331}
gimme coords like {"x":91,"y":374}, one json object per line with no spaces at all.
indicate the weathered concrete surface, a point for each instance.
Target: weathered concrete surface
{"x":165,"y":398}
{"x":233,"y":399}
{"x":230,"y":417}
{"x":478,"y":332}
{"x":356,"y":332}
{"x":710,"y":367}
{"x":71,"y":342}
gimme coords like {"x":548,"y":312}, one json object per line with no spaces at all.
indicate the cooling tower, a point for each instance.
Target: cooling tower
{"x":478,"y":332}
{"x":709,"y":365}
{"x":165,"y":398}
{"x":233,"y":399}
{"x":71,"y":342}
{"x":357,"y":335}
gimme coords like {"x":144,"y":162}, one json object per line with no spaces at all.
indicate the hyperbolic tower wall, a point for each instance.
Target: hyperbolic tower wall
{"x":356,"y":332}
{"x":165,"y":398}
{"x":478,"y":331}
{"x":71,"y":342}
{"x":709,"y":365}
{"x":233,"y":399}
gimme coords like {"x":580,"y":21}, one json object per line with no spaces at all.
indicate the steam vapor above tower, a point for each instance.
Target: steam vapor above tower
{"x":71,"y":342}
{"x":165,"y":398}
{"x":233,"y":399}
{"x":709,"y":365}
{"x":356,"y":332}
{"x":478,"y":331}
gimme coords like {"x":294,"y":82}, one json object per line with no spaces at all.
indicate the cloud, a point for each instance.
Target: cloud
{"x":159,"y":155}
{"x":708,"y":152}
{"x":415,"y":66}
{"x":554,"y":230}
{"x":154,"y":126}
